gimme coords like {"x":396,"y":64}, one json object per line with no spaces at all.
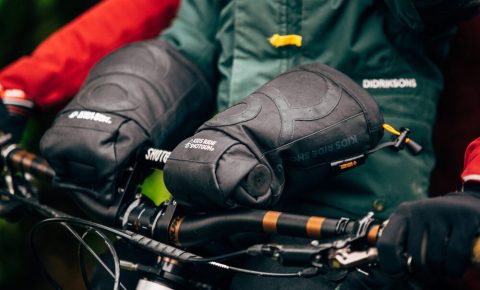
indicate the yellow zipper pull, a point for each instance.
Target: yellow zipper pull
{"x":278,"y":40}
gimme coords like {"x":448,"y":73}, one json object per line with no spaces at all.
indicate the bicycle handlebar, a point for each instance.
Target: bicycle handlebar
{"x":185,"y":230}
{"x":194,"y":229}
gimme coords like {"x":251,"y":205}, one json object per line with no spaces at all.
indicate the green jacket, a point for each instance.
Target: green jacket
{"x":379,"y":44}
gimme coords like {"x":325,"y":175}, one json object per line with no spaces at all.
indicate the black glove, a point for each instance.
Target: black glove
{"x":278,"y":142}
{"x":144,"y":92}
{"x":437,"y":233}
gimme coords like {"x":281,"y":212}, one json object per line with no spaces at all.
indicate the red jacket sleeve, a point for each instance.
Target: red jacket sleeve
{"x":457,"y":118}
{"x":471,"y":171}
{"x":469,"y":71}
{"x":57,"y":68}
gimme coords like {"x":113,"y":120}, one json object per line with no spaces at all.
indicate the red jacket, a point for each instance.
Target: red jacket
{"x":457,"y":123}
{"x":471,"y":171}
{"x":57,"y":68}
{"x":468,"y":74}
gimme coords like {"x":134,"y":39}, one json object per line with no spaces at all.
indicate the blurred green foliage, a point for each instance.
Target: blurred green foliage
{"x":25,"y":23}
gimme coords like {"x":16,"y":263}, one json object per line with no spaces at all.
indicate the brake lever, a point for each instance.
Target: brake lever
{"x":290,"y":255}
{"x":350,"y":253}
{"x":346,"y":253}
{"x":347,"y":259}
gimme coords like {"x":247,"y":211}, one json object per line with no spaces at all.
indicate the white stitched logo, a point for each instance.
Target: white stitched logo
{"x":157,"y":155}
{"x":90,"y":116}
{"x":202,"y":144}
{"x":389,"y":83}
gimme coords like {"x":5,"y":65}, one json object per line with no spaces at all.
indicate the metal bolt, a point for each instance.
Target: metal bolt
{"x":379,"y":205}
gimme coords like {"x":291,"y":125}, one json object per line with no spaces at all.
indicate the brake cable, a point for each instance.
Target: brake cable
{"x":164,"y":249}
{"x":113,"y":252}
{"x":48,"y":211}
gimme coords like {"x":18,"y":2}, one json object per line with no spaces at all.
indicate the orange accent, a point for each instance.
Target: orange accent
{"x":348,"y":165}
{"x":476,"y":253}
{"x":27,"y":161}
{"x":373,"y":234}
{"x":170,"y":261}
{"x":314,"y":226}
{"x":177,"y":229}
{"x":270,"y":220}
{"x":18,"y":157}
{"x":174,"y":229}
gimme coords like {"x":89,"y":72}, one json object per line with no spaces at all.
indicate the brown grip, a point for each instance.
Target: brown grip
{"x":27,"y":162}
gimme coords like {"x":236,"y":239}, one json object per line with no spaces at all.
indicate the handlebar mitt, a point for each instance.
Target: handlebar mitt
{"x":277,"y":141}
{"x":143,"y":93}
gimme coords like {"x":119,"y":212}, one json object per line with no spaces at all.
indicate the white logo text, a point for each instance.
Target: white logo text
{"x":90,"y":116}
{"x":157,"y":155}
{"x":389,"y":83}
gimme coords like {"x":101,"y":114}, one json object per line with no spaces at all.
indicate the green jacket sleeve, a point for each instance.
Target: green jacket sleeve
{"x":193,"y":33}
{"x":433,"y":15}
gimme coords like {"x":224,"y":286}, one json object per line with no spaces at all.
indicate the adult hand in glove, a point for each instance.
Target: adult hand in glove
{"x":432,"y":237}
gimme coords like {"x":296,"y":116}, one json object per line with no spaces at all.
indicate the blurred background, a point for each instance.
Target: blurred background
{"x":23,"y":25}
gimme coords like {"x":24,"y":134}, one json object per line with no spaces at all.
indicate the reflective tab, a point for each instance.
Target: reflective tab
{"x":14,"y":93}
{"x":16,"y":97}
{"x":283,"y":40}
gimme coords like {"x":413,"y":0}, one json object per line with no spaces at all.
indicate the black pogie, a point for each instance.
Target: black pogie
{"x":143,"y":93}
{"x":277,"y":142}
